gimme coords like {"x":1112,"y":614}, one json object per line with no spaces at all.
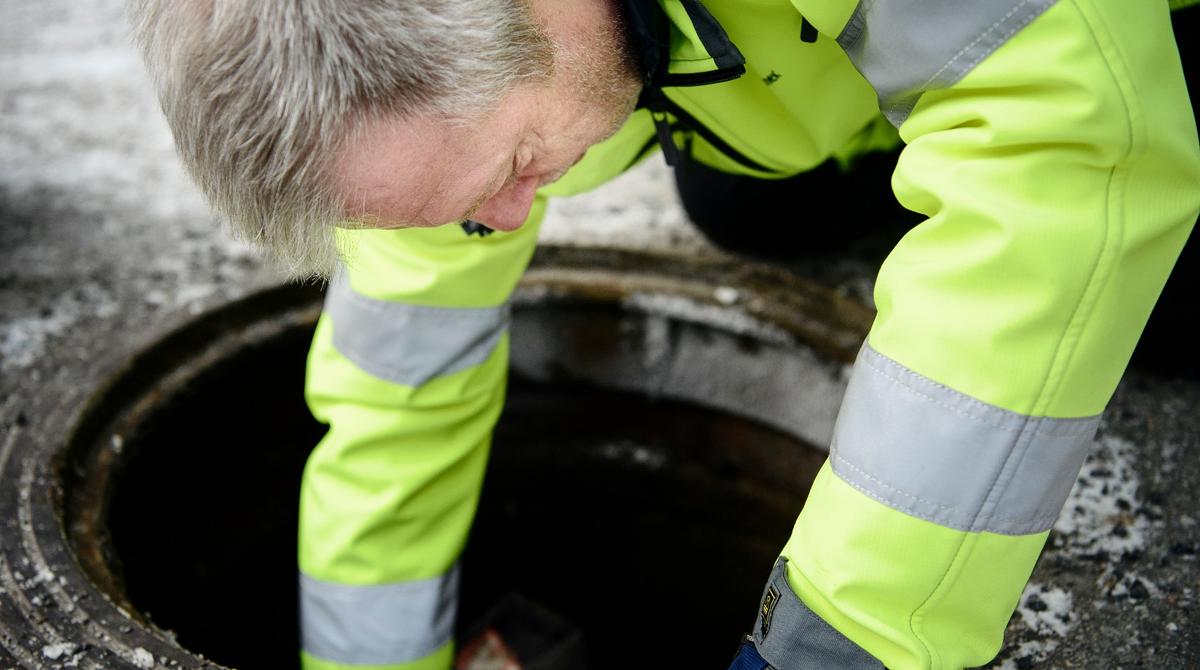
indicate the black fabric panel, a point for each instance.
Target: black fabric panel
{"x":649,"y":36}
{"x":723,"y":51}
{"x":818,"y":213}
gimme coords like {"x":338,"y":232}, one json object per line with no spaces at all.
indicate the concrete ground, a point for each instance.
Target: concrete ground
{"x":103,"y":242}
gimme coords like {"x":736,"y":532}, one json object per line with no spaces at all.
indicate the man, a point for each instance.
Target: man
{"x":1050,"y":148}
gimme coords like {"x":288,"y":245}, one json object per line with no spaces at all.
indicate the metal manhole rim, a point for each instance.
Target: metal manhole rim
{"x":95,"y":620}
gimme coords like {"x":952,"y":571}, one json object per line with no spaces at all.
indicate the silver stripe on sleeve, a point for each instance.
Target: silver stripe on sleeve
{"x":410,"y":344}
{"x":377,"y":624}
{"x":906,"y":47}
{"x":934,"y":453}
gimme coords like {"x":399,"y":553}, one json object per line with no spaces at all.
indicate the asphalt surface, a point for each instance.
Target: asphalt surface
{"x":103,"y":244}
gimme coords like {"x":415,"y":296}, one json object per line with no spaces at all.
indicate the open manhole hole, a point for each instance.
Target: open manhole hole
{"x":657,"y":443}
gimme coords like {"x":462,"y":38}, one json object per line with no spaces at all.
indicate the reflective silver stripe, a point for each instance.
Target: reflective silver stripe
{"x":789,"y":635}
{"x":937,"y":454}
{"x":906,"y":47}
{"x":410,"y":344}
{"x":380,"y":624}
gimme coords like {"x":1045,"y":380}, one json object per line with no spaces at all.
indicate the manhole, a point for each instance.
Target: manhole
{"x":656,"y":445}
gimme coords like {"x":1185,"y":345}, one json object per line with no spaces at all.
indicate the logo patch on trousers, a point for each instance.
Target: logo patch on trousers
{"x":768,"y":609}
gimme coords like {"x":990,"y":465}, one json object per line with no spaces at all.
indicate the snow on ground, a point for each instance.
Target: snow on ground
{"x":1097,"y":521}
{"x":24,"y":338}
{"x":1046,"y":613}
{"x":79,"y":116}
{"x":1099,"y":514}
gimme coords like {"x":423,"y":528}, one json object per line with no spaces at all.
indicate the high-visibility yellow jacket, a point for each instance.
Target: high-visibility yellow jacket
{"x":1052,"y":148}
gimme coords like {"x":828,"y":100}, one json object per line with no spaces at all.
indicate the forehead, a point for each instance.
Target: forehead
{"x":416,"y":170}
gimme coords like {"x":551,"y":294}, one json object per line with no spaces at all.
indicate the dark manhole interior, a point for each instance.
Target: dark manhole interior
{"x":648,"y":524}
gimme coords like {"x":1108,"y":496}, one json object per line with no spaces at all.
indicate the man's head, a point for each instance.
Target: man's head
{"x":296,"y":115}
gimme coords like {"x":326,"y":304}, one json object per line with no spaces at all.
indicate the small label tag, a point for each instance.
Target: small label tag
{"x":768,"y":609}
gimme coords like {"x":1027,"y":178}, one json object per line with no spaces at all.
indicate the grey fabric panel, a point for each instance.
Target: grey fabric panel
{"x":410,"y":344}
{"x":378,"y":624}
{"x":937,"y":454}
{"x":798,"y":638}
{"x":906,"y":47}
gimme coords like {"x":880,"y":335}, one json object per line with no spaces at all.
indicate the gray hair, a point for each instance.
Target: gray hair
{"x":261,"y":94}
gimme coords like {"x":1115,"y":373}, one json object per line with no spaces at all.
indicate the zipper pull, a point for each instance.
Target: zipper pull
{"x":665,"y":138}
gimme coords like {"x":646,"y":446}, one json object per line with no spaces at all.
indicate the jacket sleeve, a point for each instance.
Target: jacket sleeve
{"x":408,"y":368}
{"x":1053,"y":149}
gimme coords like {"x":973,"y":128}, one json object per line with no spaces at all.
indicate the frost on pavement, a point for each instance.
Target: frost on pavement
{"x":1100,"y":523}
{"x":143,"y":658}
{"x":1099,"y":517}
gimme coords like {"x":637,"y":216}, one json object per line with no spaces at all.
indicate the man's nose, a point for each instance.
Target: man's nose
{"x":509,"y":208}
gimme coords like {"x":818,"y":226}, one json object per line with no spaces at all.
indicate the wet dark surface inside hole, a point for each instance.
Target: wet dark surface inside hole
{"x":650,"y":525}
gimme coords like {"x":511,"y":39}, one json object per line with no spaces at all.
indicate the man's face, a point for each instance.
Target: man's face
{"x":427,"y":171}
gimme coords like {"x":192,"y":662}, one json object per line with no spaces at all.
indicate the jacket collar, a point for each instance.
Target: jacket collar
{"x":679,"y":43}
